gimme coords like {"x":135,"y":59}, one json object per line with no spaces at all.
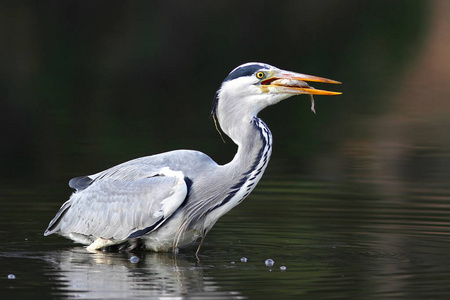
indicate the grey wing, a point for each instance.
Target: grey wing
{"x":118,"y":208}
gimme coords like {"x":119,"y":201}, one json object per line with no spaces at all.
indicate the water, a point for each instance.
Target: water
{"x":352,"y":239}
{"x":134,"y":259}
{"x":269,"y":262}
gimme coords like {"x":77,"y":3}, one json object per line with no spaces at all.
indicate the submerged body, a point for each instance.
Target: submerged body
{"x":171,"y":199}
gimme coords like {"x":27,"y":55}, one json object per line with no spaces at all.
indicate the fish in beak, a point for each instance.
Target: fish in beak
{"x":286,"y":82}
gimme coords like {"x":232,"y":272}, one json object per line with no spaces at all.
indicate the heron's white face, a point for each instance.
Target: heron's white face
{"x":251,"y":87}
{"x":254,"y":86}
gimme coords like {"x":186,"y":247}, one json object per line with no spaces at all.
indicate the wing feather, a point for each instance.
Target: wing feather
{"x":117,"y":205}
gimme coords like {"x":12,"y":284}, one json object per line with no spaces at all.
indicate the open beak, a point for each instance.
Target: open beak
{"x":280,"y":81}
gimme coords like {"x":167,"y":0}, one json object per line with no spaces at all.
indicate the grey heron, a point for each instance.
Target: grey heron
{"x":168,"y":200}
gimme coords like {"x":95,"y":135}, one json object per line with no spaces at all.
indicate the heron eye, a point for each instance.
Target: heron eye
{"x":260,"y":75}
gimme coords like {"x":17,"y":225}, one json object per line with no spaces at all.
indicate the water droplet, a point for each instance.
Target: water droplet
{"x":232,"y":262}
{"x":243,"y":259}
{"x":134,"y":259}
{"x":283,"y":268}
{"x":269,"y":262}
{"x":11,"y":276}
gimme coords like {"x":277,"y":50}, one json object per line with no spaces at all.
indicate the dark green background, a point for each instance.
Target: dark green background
{"x":88,"y":84}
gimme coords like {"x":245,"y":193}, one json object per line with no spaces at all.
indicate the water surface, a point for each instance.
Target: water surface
{"x":336,"y":240}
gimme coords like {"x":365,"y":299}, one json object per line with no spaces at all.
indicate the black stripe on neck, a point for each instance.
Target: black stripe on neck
{"x":263,"y":154}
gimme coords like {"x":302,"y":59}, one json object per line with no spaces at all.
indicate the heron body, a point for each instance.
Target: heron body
{"x":171,"y":199}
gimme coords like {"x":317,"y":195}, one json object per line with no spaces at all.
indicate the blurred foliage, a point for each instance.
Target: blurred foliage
{"x":88,"y":84}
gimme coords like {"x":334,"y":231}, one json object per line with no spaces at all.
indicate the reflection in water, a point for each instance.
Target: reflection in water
{"x":113,"y":275}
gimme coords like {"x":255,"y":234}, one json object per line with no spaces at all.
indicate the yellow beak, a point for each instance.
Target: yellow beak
{"x":294,"y":83}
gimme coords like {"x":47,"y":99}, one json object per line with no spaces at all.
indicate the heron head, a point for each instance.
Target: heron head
{"x":251,"y":87}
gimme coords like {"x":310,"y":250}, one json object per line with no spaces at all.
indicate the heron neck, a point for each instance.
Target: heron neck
{"x":254,"y":148}
{"x":247,"y":167}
